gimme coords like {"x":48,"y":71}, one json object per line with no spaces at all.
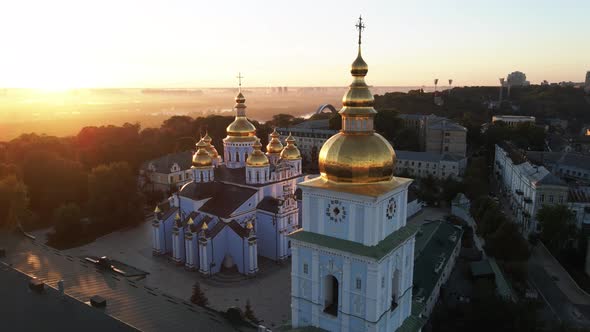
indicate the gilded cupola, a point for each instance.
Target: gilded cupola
{"x":241,"y":130}
{"x":210,"y":148}
{"x":202,"y":158}
{"x":274,"y":145}
{"x":357,"y":154}
{"x":290,"y":152}
{"x":257,"y":157}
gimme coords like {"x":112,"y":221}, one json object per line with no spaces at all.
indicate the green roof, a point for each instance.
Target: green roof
{"x":481,"y":268}
{"x":501,"y":283}
{"x":378,"y":251}
{"x":435,"y":243}
{"x":412,"y":324}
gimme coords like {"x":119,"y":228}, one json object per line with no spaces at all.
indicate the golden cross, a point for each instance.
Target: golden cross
{"x":360,"y":27}
{"x":239,"y":77}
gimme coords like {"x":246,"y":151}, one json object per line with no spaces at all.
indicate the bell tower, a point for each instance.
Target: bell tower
{"x":352,"y":261}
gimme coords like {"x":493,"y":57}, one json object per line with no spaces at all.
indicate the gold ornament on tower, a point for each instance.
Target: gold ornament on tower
{"x":240,"y":130}
{"x":357,"y":154}
{"x":210,"y":148}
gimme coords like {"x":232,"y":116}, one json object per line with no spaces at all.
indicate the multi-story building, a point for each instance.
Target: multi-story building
{"x":587,"y":82}
{"x":423,"y":164}
{"x":566,"y":165}
{"x":168,"y":172}
{"x":513,"y":120}
{"x":309,"y":136}
{"x":527,"y":185}
{"x":445,"y":136}
{"x":437,"y":134}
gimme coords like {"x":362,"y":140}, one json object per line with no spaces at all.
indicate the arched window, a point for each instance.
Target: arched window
{"x":331,"y":295}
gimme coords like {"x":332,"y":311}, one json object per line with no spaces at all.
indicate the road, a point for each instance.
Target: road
{"x":559,"y":291}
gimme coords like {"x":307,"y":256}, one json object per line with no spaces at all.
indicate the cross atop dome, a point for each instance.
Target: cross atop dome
{"x":360,"y":26}
{"x":239,"y":77}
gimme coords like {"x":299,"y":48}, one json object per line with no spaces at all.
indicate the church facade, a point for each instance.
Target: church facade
{"x":353,"y":258}
{"x":234,"y":208}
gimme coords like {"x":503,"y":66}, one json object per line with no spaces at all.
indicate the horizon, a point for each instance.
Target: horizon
{"x":179,"y":45}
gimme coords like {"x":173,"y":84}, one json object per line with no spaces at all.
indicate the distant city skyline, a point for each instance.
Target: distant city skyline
{"x":64,"y":44}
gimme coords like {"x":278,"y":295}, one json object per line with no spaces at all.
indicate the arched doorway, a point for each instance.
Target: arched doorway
{"x":395,"y":285}
{"x":331,"y":291}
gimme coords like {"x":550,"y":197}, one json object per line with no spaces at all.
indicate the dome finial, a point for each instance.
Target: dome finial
{"x":239,"y":77}
{"x":360,"y":27}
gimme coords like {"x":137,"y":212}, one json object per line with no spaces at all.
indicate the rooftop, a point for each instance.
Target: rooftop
{"x":377,"y":252}
{"x":165,"y":163}
{"x":426,"y":156}
{"x":223,"y":198}
{"x":25,"y":310}
{"x":434,"y":246}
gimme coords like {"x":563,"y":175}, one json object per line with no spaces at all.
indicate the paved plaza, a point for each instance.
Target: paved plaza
{"x":269,"y":293}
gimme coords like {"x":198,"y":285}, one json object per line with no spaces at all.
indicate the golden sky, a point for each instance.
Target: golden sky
{"x":61,"y":44}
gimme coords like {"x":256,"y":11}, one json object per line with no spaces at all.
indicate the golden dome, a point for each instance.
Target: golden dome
{"x":210,"y":148}
{"x":257,"y":158}
{"x":202,"y":158}
{"x":240,"y":130}
{"x":290,"y":152}
{"x":274,"y":146}
{"x":357,"y":154}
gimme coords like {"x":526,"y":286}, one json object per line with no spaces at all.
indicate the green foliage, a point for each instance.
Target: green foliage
{"x":336,"y":122}
{"x":198,"y":297}
{"x":53,"y":181}
{"x":13,"y":203}
{"x":557,"y":225}
{"x":285,"y":120}
{"x":506,"y":243}
{"x":475,"y":180}
{"x":67,"y":221}
{"x":113,"y":199}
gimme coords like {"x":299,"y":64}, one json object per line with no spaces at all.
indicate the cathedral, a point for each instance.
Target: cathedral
{"x":353,"y":259}
{"x":234,"y":208}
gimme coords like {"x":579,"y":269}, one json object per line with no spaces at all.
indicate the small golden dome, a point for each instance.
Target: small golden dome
{"x":177,"y":216}
{"x":290,"y":152}
{"x":257,"y":158}
{"x":249,"y":225}
{"x":210,"y":148}
{"x":274,"y":146}
{"x":190,"y":221}
{"x":240,"y":130}
{"x":205,"y":226}
{"x":157,"y":209}
{"x":359,"y":66}
{"x":202,"y":158}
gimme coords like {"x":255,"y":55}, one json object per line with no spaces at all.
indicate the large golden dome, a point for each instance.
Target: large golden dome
{"x":274,"y":146}
{"x":357,"y":154}
{"x":257,"y":158}
{"x":290,"y":152}
{"x":241,"y":130}
{"x":202,"y":158}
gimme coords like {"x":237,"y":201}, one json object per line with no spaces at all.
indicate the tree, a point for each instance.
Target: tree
{"x":506,"y":243}
{"x":557,"y":225}
{"x":113,"y":197}
{"x":249,"y":313}
{"x":198,"y":297}
{"x":67,"y":223}
{"x":13,"y":203}
{"x":428,"y":190}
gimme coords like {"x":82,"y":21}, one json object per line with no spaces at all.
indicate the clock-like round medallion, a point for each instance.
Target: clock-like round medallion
{"x":335,"y":211}
{"x":391,"y":208}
